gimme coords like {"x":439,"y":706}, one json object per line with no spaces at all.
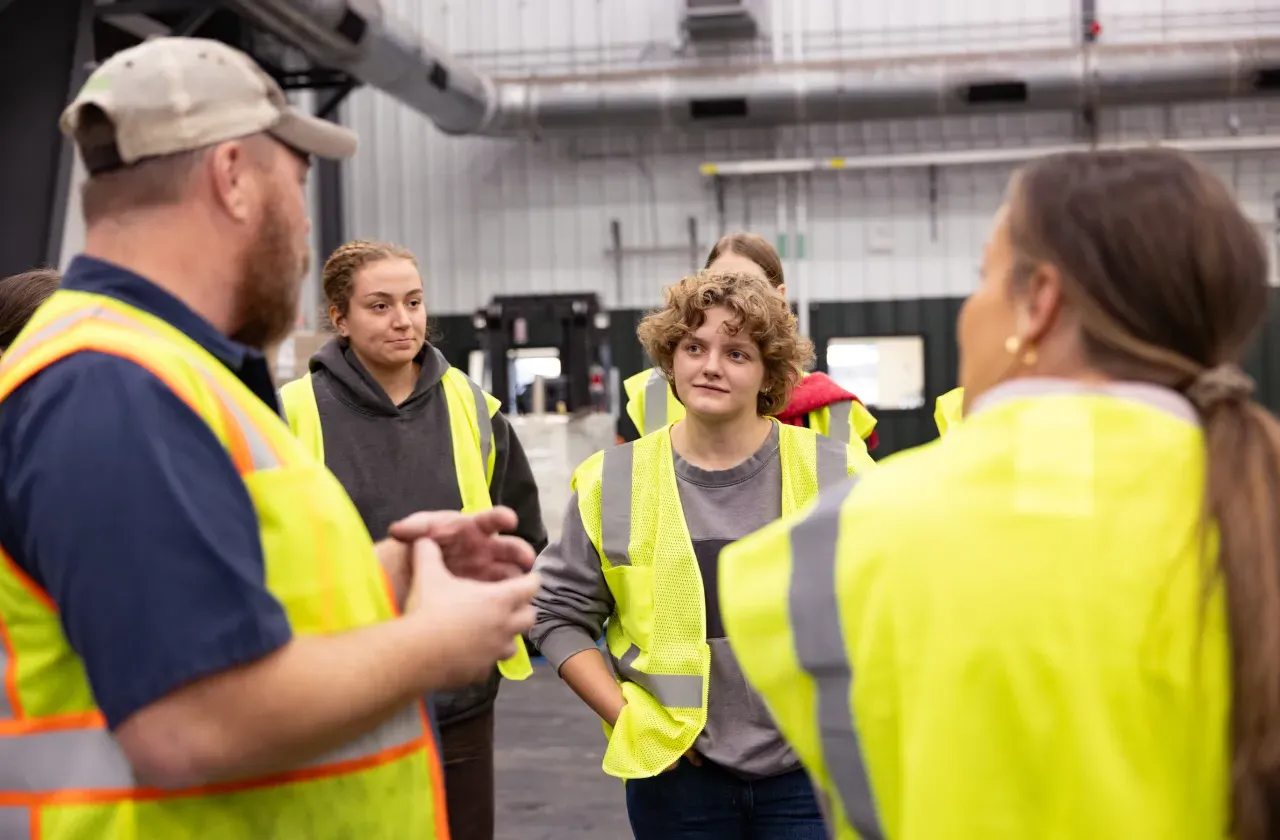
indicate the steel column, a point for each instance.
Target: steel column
{"x":48,"y":46}
{"x":331,"y":215}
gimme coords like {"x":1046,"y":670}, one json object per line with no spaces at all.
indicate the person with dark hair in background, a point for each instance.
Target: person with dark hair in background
{"x":403,"y":430}
{"x":20,"y":297}
{"x":817,"y":402}
{"x":1062,"y":620}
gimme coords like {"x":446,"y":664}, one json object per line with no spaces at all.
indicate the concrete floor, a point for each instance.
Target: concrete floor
{"x":547,"y":761}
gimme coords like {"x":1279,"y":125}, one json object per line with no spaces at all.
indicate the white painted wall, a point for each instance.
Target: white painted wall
{"x":490,"y":216}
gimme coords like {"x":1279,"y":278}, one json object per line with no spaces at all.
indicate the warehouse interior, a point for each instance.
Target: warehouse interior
{"x":554,"y":164}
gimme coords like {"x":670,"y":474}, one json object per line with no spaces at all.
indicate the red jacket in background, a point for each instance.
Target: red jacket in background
{"x":815,"y":391}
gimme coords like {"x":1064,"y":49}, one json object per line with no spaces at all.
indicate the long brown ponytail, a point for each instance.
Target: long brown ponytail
{"x":1170,"y":279}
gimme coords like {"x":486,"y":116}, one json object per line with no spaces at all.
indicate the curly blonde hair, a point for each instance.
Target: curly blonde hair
{"x":339,"y":274}
{"x":757,"y":309}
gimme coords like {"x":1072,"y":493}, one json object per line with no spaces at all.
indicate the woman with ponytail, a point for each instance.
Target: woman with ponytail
{"x":1064,"y":621}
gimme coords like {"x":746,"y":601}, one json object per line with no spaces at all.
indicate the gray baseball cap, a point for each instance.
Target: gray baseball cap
{"x":169,"y":95}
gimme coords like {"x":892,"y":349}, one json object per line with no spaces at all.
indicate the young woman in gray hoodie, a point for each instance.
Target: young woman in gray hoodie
{"x":384,"y":415}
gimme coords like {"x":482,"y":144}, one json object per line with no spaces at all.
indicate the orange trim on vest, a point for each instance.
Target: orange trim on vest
{"x":152,"y":794}
{"x":37,"y":358}
{"x":53,"y":723}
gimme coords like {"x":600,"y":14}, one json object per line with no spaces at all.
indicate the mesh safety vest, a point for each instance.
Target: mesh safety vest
{"x":1014,"y":634}
{"x":62,"y":775}
{"x":652,"y":404}
{"x":630,"y":506}
{"x":471,"y":413}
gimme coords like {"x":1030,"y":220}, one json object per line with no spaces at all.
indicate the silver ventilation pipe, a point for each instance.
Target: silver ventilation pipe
{"x":358,"y":38}
{"x":354,"y":36}
{"x":897,"y":88}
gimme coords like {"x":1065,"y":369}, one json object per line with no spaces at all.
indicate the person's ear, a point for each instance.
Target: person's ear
{"x":1039,"y":303}
{"x":236,"y":179}
{"x":338,"y":320}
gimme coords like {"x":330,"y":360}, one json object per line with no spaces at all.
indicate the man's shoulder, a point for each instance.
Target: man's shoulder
{"x":101,"y":380}
{"x":95,"y":399}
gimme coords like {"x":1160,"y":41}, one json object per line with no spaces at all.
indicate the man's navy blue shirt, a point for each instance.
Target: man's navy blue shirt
{"x":122,"y":504}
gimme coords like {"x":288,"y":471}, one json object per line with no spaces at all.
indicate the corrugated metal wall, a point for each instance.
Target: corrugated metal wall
{"x":502,"y":216}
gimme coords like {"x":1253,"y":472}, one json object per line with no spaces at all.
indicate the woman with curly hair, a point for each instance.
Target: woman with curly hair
{"x":638,"y":553}
{"x":817,"y":401}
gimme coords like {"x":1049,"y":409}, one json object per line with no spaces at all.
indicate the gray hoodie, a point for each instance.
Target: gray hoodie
{"x":394,"y":460}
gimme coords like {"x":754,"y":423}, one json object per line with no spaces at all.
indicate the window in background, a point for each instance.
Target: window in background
{"x":527,"y":363}
{"x":885,"y":372}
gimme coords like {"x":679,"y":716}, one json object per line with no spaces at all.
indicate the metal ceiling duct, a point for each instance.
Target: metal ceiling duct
{"x":354,"y":36}
{"x":357,"y":37}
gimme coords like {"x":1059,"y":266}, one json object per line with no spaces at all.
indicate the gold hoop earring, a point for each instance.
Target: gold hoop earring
{"x":1013,"y":346}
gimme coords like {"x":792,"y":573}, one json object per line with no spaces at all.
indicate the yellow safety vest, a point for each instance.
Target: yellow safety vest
{"x":471,"y":413}
{"x":630,"y":507}
{"x":652,"y":404}
{"x":948,"y":410}
{"x":62,"y":774}
{"x":1008,"y":635}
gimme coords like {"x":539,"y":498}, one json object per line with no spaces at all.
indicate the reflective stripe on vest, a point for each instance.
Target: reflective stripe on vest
{"x":656,"y":392}
{"x":250,"y":450}
{"x":36,"y":765}
{"x":484,"y":423}
{"x":841,"y":420}
{"x":820,"y":648}
{"x":55,"y":752}
{"x":629,"y":503}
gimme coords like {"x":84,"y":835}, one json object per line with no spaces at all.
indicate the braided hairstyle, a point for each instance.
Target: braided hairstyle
{"x":339,"y":274}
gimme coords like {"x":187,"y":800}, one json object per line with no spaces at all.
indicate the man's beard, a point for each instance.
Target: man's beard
{"x":273,"y":272}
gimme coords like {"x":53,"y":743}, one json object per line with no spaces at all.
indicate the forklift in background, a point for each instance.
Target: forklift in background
{"x":546,"y":357}
{"x":563,"y":339}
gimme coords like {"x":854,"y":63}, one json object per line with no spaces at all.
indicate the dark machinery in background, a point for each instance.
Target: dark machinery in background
{"x":574,"y":324}
{"x":54,"y":46}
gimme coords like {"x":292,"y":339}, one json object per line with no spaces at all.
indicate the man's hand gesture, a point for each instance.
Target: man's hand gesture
{"x":471,"y":625}
{"x":471,"y":545}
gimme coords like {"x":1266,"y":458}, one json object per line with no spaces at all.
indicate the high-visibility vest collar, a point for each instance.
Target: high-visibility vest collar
{"x":652,"y":404}
{"x":629,"y":502}
{"x":471,"y":413}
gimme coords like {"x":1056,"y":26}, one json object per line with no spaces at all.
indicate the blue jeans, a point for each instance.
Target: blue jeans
{"x":710,"y":803}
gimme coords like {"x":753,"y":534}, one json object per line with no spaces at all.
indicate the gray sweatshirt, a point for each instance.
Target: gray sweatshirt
{"x":394,"y":460}
{"x":719,"y":507}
